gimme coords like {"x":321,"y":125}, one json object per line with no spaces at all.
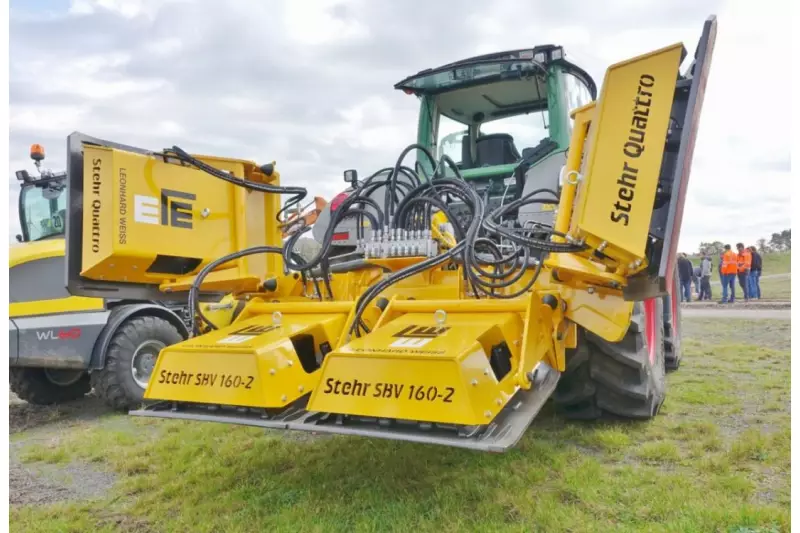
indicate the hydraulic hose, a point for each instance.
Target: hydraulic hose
{"x":198,"y":281}
{"x":298,"y":192}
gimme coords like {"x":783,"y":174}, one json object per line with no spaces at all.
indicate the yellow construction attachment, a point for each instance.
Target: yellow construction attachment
{"x":435,"y":361}
{"x":266,"y":361}
{"x":623,"y":162}
{"x":419,"y":332}
{"x":152,"y":221}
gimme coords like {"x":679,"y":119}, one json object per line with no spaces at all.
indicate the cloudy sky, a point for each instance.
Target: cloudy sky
{"x":309,"y":83}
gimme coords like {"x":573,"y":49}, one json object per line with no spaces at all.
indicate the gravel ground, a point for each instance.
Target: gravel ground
{"x":23,"y":416}
{"x":42,"y":483}
{"x":747,"y":314}
{"x":46,"y":483}
{"x":757,"y":305}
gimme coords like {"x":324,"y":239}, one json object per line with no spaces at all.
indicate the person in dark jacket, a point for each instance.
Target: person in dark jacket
{"x":685,"y":274}
{"x":755,"y":274}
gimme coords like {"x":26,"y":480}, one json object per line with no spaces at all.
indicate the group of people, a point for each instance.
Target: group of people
{"x":744,"y":265}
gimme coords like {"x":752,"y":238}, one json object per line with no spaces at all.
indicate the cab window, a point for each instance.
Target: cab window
{"x":527,"y":130}
{"x":42,"y":214}
{"x":578,"y":95}
{"x":449,"y":138}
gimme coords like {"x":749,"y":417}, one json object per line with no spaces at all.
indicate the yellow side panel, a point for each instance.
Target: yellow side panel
{"x":141,"y":207}
{"x":31,"y":251}
{"x":72,"y":304}
{"x":627,"y":144}
{"x":416,"y":389}
{"x":604,"y":313}
{"x":232,"y":379}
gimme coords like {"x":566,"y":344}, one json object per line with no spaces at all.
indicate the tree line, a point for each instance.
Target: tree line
{"x":779,"y":242}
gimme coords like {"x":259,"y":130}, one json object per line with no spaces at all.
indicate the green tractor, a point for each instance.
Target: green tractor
{"x":503,"y":118}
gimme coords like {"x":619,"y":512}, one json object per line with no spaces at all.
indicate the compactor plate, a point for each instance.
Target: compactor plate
{"x":253,"y":363}
{"x":501,"y":434}
{"x":457,"y":372}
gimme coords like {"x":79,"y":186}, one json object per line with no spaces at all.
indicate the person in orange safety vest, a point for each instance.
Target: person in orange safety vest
{"x":743,"y":261}
{"x":729,"y":267}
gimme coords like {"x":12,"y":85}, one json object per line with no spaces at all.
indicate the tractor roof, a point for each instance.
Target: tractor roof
{"x":493,"y":86}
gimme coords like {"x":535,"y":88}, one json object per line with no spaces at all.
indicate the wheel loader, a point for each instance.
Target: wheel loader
{"x":521,"y":250}
{"x":60,"y":345}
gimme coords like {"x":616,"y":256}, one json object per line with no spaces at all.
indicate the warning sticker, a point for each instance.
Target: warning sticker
{"x":414,"y":336}
{"x":245,"y":334}
{"x":235,"y":339}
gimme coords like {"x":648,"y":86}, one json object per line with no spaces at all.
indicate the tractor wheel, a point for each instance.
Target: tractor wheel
{"x":624,"y":379}
{"x":130,"y":360}
{"x":46,"y":386}
{"x":672,"y":326}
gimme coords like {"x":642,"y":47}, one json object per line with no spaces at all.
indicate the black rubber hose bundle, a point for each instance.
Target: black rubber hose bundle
{"x":486,"y":272}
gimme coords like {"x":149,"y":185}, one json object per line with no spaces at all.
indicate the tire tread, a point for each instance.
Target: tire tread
{"x":108,"y":382}
{"x":32,"y":385}
{"x":614,"y":378}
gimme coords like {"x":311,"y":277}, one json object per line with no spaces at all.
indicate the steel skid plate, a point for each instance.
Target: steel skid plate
{"x":502,"y":434}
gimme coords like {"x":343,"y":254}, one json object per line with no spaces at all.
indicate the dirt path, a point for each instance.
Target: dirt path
{"x":749,"y":314}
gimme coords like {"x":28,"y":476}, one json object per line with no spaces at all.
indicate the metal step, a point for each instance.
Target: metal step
{"x":502,"y":434}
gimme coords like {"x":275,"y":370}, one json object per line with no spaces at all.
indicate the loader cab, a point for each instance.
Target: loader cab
{"x":499,"y":116}
{"x":42,"y":210}
{"x":42,"y":201}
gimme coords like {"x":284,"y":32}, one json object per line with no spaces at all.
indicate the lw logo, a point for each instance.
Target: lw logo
{"x":417,"y":336}
{"x":146,"y":209}
{"x":62,"y":334}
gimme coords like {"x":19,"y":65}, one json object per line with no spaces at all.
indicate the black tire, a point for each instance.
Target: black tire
{"x":673,"y":316}
{"x":617,"y":379}
{"x":34,"y":386}
{"x":116,"y":383}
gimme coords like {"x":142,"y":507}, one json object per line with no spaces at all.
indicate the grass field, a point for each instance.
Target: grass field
{"x":777,"y":263}
{"x":776,"y":288}
{"x":716,"y":459}
{"x":773,"y":263}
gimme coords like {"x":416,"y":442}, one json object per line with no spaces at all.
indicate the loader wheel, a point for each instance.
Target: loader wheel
{"x":624,"y":379}
{"x":41,"y":386}
{"x":672,"y":326}
{"x":130,"y":360}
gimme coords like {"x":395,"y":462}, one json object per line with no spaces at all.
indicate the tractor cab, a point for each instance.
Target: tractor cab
{"x":504,"y":120}
{"x":42,"y":201}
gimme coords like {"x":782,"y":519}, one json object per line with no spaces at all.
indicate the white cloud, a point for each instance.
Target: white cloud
{"x":127,"y":9}
{"x":314,"y":22}
{"x":309,"y":84}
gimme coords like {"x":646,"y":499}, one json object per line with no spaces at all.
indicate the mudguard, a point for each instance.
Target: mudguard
{"x":119,"y":315}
